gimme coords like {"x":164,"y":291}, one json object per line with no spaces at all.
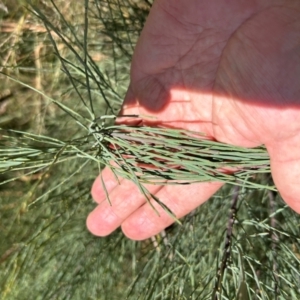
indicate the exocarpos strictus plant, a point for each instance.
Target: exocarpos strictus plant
{"x":236,"y":246}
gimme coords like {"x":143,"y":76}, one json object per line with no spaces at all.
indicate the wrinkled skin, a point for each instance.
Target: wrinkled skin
{"x":230,"y":69}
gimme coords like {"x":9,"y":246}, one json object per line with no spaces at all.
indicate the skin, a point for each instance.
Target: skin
{"x":230,"y":69}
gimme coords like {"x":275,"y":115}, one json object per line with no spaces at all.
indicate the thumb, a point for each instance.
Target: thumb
{"x":130,"y":104}
{"x":285,"y":167}
{"x":148,"y":92}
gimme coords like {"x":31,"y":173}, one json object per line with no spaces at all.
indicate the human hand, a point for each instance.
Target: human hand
{"x":229,"y":69}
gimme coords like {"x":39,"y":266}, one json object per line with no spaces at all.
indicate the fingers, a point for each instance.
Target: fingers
{"x":181,"y":199}
{"x":109,"y":179}
{"x":125,"y":198}
{"x":285,"y":166}
{"x":130,"y":209}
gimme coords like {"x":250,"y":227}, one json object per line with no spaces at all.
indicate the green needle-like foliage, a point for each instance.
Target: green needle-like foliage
{"x":242,"y":244}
